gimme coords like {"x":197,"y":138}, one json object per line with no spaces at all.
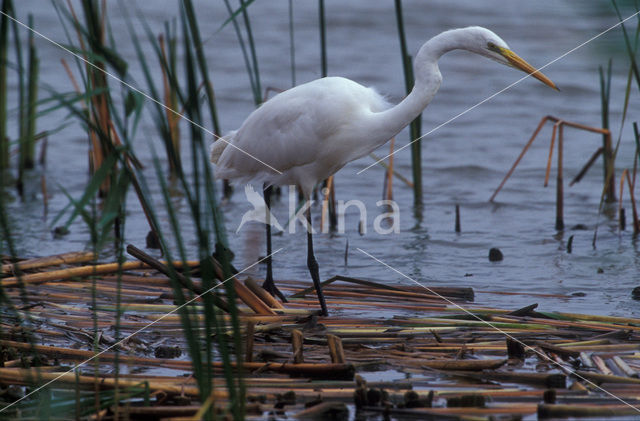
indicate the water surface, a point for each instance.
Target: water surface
{"x":464,"y":161}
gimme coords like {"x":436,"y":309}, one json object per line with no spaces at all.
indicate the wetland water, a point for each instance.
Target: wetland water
{"x":463,"y":161}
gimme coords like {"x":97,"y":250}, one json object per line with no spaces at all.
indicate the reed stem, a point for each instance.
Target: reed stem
{"x":607,"y":156}
{"x":323,"y":38}
{"x":7,"y":8}
{"x":415,"y":126}
{"x":292,"y":45}
{"x":28,"y":141}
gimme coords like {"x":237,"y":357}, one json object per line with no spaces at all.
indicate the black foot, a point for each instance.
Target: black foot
{"x":270,"y":286}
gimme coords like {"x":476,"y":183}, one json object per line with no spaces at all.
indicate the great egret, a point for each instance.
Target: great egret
{"x":309,"y":132}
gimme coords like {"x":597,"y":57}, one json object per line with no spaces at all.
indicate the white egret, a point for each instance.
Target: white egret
{"x":309,"y":132}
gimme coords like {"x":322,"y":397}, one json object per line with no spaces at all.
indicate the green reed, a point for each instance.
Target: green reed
{"x":415,"y":128}
{"x":200,"y":196}
{"x":202,"y":178}
{"x":322,"y":24}
{"x":7,"y":8}
{"x":250,"y":57}
{"x":202,"y":62}
{"x":167,"y":118}
{"x":170,"y":58}
{"x":27,"y":138}
{"x":607,"y":155}
{"x":198,"y":191}
{"x":292,"y":45}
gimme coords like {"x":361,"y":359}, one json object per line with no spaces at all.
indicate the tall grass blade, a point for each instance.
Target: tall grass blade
{"x":7,"y":8}
{"x":627,"y":42}
{"x":202,"y":62}
{"x":607,"y":155}
{"x":252,"y":49}
{"x":292,"y":45}
{"x":323,"y":38}
{"x":234,"y":14}
{"x":162,"y":117}
{"x":169,"y":56}
{"x":636,"y":134}
{"x":415,"y":126}
{"x":206,"y":205}
{"x":250,"y":62}
{"x":27,"y":142}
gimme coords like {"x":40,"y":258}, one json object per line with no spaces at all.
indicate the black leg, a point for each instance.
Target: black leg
{"x":268,"y":284}
{"x":312,"y":264}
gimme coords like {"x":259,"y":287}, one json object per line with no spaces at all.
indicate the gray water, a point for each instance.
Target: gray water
{"x":463,"y":161}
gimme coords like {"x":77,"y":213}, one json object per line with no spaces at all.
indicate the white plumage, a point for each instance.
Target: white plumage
{"x":306,"y":134}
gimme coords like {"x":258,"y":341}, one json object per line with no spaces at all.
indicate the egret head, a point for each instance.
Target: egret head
{"x":490,"y":45}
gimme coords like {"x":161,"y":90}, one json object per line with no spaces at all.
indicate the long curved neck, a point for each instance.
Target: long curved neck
{"x":427,"y":82}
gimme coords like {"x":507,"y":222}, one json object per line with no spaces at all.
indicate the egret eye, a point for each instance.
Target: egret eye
{"x":492,"y":46}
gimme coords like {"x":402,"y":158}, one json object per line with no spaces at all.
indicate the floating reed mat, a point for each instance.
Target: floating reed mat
{"x":402,"y":351}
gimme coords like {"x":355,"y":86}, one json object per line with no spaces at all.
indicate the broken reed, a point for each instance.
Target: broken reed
{"x":415,"y":127}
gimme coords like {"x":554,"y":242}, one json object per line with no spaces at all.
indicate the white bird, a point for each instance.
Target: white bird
{"x":259,"y":213}
{"x":307,"y":133}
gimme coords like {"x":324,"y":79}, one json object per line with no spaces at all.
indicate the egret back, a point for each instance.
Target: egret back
{"x":306,"y":133}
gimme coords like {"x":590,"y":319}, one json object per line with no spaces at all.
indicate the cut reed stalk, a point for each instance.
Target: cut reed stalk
{"x":315,"y":370}
{"x":557,"y":411}
{"x":600,"y":365}
{"x":28,"y":376}
{"x":262,"y":294}
{"x":249,"y":335}
{"x":43,"y":262}
{"x":243,"y":292}
{"x":636,"y":221}
{"x":628,"y":371}
{"x":70,"y":273}
{"x":465,"y":365}
{"x":389,"y":179}
{"x":297,"y":341}
{"x":335,"y":349}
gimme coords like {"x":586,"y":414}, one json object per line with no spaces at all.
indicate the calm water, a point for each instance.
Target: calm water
{"x":464,"y":161}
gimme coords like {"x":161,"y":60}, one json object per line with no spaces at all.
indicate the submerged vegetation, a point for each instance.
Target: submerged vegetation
{"x":198,"y":300}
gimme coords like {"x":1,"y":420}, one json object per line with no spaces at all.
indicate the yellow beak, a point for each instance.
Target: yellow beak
{"x":519,"y":63}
